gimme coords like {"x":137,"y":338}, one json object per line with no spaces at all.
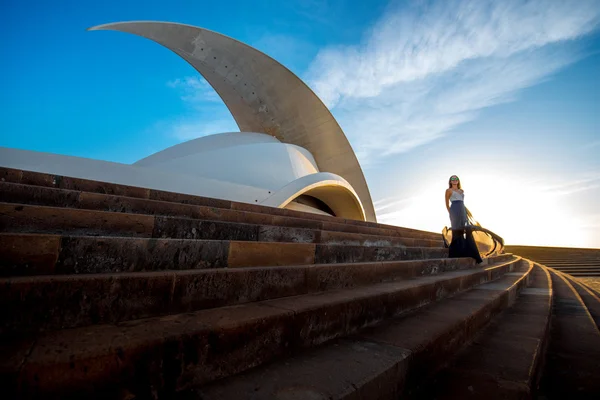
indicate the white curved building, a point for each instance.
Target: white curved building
{"x":290,"y":153}
{"x":240,"y":166}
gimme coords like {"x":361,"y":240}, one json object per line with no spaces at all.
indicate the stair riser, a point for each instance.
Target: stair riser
{"x":52,"y":254}
{"x":506,"y":358}
{"x":397,"y":349}
{"x":316,"y":326}
{"x":225,"y":348}
{"x":427,"y":358}
{"x":55,"y":220}
{"x":76,"y":184}
{"x":544,"y":281}
{"x":345,"y":223}
{"x":575,"y":342}
{"x":54,"y":191}
{"x":49,"y":303}
{"x":443,"y":348}
{"x":589,"y":298}
{"x":571,"y":274}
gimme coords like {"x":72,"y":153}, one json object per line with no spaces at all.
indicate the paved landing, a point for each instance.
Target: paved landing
{"x":593,"y":282}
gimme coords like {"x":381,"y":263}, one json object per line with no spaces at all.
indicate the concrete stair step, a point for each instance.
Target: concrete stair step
{"x":42,"y":254}
{"x":566,"y":257}
{"x":68,"y":301}
{"x":505,"y":360}
{"x":570,"y":259}
{"x":574,"y":265}
{"x":33,"y":195}
{"x":20,"y":218}
{"x":578,"y":271}
{"x":573,"y":359}
{"x":590,"y":282}
{"x":44,"y":189}
{"x":588,"y":296}
{"x":167,"y":354}
{"x":566,"y":269}
{"x":566,"y":260}
{"x":382,"y":362}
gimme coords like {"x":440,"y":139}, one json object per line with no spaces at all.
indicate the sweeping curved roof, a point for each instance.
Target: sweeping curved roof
{"x":262,"y":95}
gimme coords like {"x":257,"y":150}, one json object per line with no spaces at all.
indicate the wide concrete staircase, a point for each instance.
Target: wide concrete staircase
{"x":573,"y":357}
{"x":575,"y":262}
{"x":121,"y":292}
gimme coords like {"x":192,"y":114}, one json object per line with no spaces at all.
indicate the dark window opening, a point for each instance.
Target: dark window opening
{"x":314,"y":203}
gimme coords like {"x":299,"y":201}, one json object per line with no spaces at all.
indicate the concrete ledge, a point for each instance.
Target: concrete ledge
{"x":68,"y":301}
{"x":573,"y":358}
{"x":23,"y":218}
{"x":588,"y":296}
{"x":403,"y":353}
{"x":8,"y":175}
{"x":41,"y":254}
{"x":200,"y":347}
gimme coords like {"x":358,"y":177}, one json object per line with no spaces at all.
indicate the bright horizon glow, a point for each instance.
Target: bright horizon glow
{"x":522,"y":213}
{"x":504,"y":94}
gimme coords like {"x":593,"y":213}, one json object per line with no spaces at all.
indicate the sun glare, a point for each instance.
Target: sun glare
{"x":519,"y":211}
{"x":526,"y":215}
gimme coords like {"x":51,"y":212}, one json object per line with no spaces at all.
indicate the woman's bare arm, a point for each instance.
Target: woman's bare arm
{"x":448,"y":194}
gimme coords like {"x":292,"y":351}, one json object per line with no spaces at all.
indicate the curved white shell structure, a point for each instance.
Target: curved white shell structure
{"x":248,"y":167}
{"x":262,"y":95}
{"x":284,"y":171}
{"x":291,"y":152}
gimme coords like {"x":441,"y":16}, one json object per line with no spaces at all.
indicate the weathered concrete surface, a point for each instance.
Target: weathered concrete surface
{"x":91,"y":254}
{"x":58,"y":302}
{"x":573,"y":261}
{"x":185,"y":228}
{"x":243,"y":254}
{"x":148,"y":314}
{"x":381,"y":362}
{"x":28,"y":187}
{"x":573,"y":359}
{"x":59,"y":220}
{"x":33,"y":219}
{"x":590,"y":298}
{"x":506,"y":359}
{"x":345,"y":369}
{"x":49,"y":303}
{"x":31,"y":198}
{"x":206,"y":345}
{"x":593,"y":283}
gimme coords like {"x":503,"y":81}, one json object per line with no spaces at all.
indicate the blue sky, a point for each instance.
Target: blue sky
{"x":504,"y":94}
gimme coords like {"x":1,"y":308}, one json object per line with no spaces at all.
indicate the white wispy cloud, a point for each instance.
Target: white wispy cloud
{"x":207,"y":114}
{"x":423,"y":69}
{"x":390,"y":202}
{"x":568,"y":187}
{"x":429,"y":66}
{"x":192,"y":128}
{"x":194,"y":90}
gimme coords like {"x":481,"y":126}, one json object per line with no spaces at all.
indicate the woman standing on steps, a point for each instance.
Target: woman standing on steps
{"x":463,"y":244}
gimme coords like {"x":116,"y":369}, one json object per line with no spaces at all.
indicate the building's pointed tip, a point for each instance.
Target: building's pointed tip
{"x":104,"y":27}
{"x":97,"y":27}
